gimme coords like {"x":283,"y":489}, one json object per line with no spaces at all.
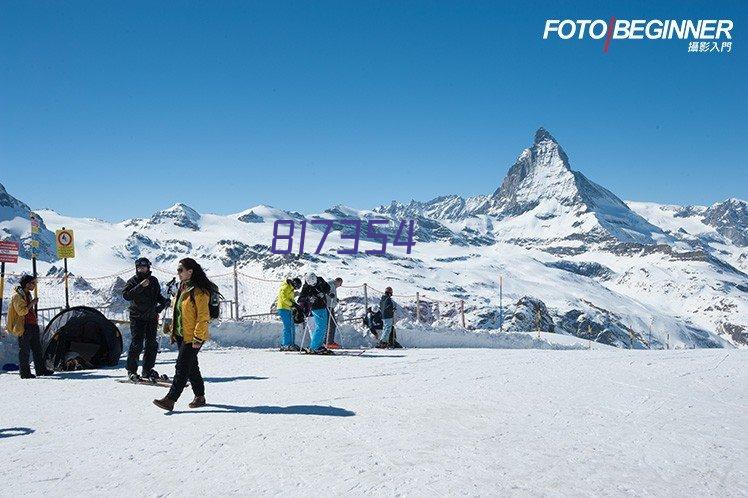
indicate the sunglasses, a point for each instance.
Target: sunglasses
{"x":181,"y":269}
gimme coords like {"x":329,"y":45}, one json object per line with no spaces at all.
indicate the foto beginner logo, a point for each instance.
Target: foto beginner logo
{"x":704,"y":35}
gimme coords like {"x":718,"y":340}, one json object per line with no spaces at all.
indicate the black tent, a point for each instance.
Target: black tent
{"x":81,"y":337}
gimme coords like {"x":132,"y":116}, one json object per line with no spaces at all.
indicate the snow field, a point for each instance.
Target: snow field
{"x":418,"y":422}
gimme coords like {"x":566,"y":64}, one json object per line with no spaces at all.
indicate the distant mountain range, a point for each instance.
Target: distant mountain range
{"x":575,"y":258}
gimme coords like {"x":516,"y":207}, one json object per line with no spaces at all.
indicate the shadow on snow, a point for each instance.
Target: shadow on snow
{"x":232,"y":379}
{"x":327,"y":411}
{"x":15,"y":431}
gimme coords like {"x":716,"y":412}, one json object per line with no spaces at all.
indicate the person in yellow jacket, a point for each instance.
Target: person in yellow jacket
{"x":23,"y":323}
{"x":190,"y":331}
{"x":285,"y":305}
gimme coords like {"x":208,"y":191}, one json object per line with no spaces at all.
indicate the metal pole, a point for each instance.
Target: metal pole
{"x":2,"y":287}
{"x":34,"y":242}
{"x":501,"y":304}
{"x":236,"y":293}
{"x":67,"y":294}
{"x":418,"y":307}
{"x":462,"y":312}
{"x":33,"y":271}
{"x":366,"y":299}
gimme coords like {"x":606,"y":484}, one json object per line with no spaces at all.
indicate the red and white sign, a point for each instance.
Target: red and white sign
{"x":8,"y":252}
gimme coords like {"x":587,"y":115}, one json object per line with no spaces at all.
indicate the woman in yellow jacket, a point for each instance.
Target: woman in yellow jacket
{"x":190,"y":331}
{"x":22,"y":323}
{"x":285,"y":306}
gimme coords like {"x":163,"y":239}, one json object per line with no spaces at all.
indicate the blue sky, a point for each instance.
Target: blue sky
{"x":118,"y":109}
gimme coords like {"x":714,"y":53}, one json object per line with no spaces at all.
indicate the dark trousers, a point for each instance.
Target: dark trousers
{"x":187,"y":368}
{"x":331,"y":327}
{"x":29,"y":341}
{"x":142,"y":330}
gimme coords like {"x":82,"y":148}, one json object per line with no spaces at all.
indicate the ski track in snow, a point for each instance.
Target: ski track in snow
{"x":419,"y":422}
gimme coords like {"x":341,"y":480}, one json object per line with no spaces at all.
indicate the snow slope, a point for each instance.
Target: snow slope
{"x":413,"y":422}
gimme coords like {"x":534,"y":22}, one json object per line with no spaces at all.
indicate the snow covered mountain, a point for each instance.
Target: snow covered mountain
{"x":575,"y":259}
{"x":15,"y":225}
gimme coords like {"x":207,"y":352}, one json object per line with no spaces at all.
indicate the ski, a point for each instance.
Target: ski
{"x":145,"y":382}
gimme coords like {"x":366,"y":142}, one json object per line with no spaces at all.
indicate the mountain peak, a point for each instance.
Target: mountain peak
{"x":179,"y":214}
{"x":543,"y":135}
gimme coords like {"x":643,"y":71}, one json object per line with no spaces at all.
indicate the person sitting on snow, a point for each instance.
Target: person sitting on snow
{"x":373,"y":320}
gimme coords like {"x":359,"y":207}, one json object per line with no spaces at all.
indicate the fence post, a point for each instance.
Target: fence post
{"x":462,"y":312}
{"x":366,"y":299}
{"x":236,"y":293}
{"x":418,"y":307}
{"x":501,"y":304}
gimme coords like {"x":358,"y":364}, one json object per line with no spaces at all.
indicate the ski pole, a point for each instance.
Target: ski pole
{"x":303,"y":338}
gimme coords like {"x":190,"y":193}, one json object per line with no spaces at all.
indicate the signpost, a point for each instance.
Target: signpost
{"x":34,"y":247}
{"x":65,"y":242}
{"x":8,"y":254}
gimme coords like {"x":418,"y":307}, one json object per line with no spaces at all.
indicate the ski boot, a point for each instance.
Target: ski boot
{"x":151,"y":376}
{"x":292,"y":347}
{"x":382,"y":345}
{"x":333,"y":345}
{"x":319,"y":350}
{"x":134,"y":377}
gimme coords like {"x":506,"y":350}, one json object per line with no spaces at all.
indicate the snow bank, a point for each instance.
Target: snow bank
{"x":263,"y":334}
{"x":256,"y":334}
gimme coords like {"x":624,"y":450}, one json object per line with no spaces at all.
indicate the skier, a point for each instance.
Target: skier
{"x":23,"y":323}
{"x":314,"y":293}
{"x":146,"y":302}
{"x":285,"y":306}
{"x":191,"y":317}
{"x":387,"y":307}
{"x":332,"y":323}
{"x":373,"y":320}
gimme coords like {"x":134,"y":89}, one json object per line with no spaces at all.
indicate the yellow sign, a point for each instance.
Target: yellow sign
{"x":35,"y":244}
{"x":65,"y":243}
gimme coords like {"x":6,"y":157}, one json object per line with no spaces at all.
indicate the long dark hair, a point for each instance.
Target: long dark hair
{"x":199,"y":279}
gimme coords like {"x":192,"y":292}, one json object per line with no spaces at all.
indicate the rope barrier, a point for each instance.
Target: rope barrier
{"x":253,"y":295}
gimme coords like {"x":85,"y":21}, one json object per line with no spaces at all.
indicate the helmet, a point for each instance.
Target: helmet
{"x":142,"y":262}
{"x":375,"y":308}
{"x":388,"y":290}
{"x":310,"y":279}
{"x":295,"y":282}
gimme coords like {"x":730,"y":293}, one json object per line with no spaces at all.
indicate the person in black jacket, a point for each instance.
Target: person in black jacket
{"x":146,"y":302}
{"x":314,"y":293}
{"x":387,"y":308}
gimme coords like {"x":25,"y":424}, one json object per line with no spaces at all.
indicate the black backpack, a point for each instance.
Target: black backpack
{"x":214,"y":304}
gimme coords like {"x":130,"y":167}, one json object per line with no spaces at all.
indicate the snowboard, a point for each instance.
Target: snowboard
{"x":161,"y":382}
